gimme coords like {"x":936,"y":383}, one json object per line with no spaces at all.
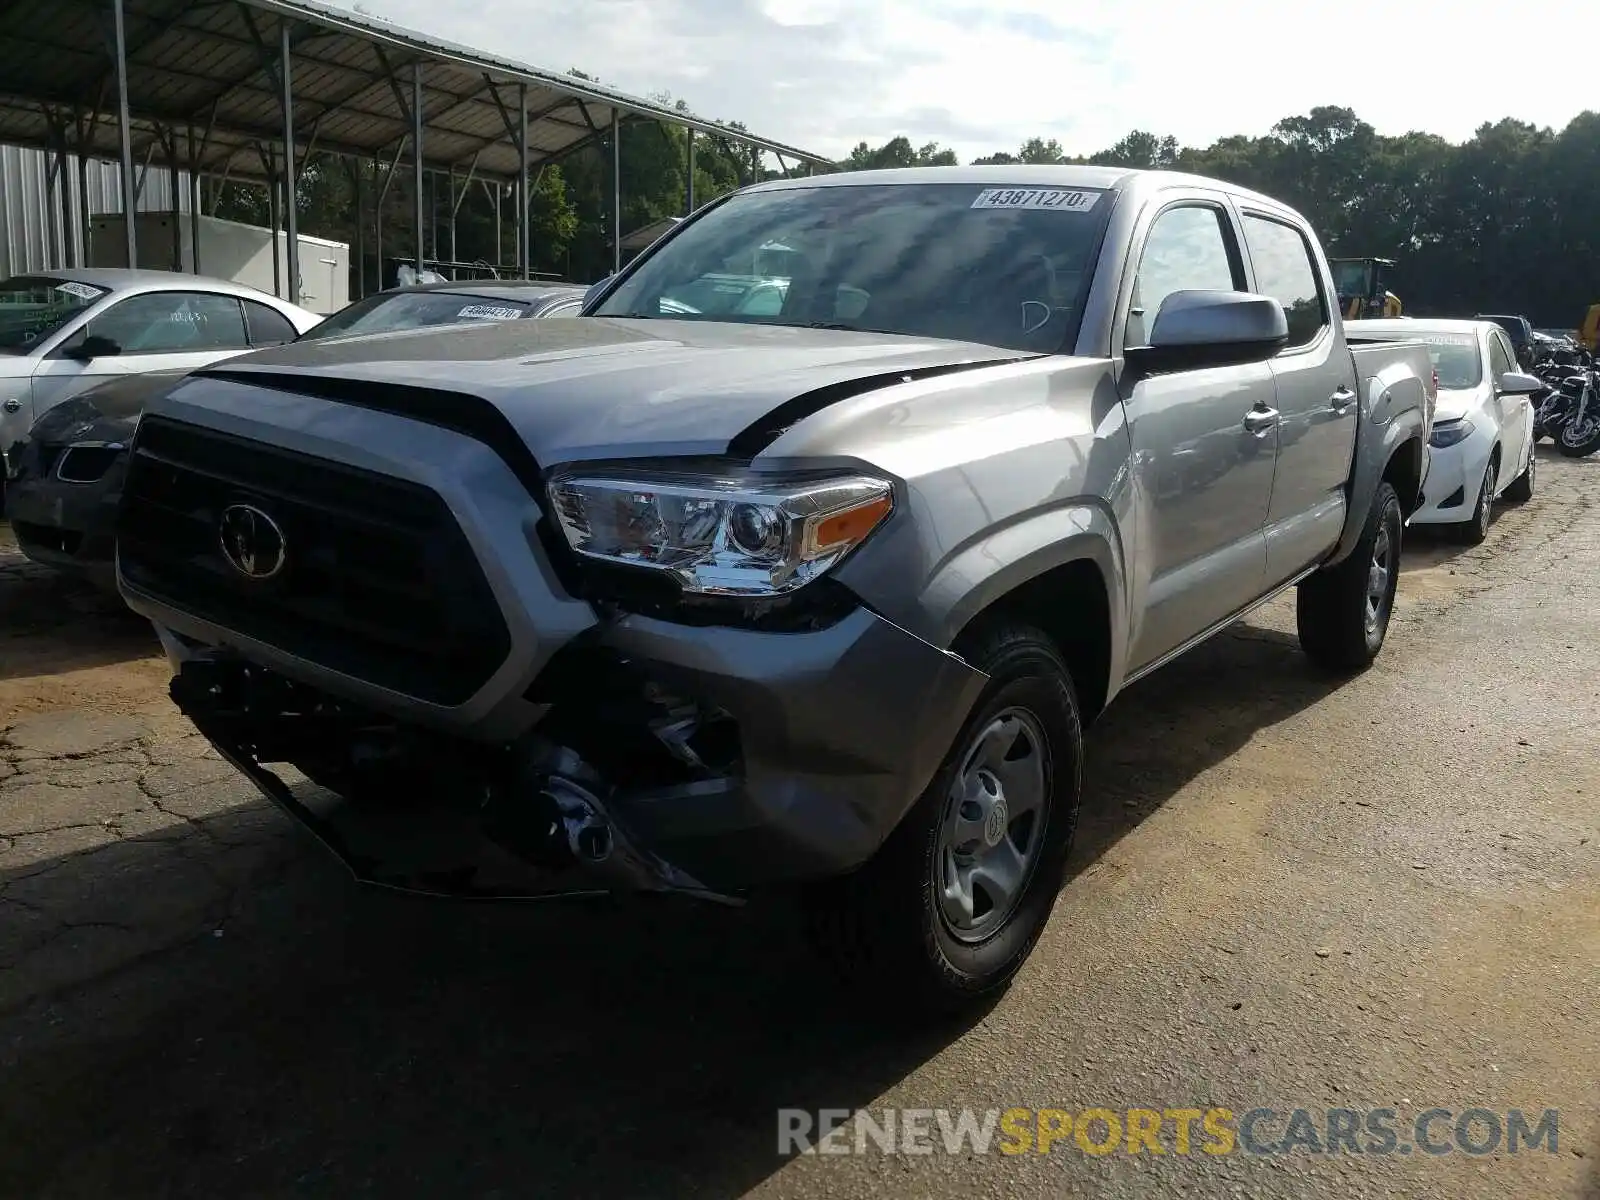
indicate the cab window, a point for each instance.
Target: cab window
{"x":1286,"y":270}
{"x":1187,"y":249}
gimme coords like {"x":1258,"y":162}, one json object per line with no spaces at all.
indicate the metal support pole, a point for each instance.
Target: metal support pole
{"x":453,"y":257}
{"x":272,"y":214}
{"x":129,"y":203}
{"x":499,"y":233}
{"x":416,"y":150}
{"x":616,"y":191}
{"x":358,"y":171}
{"x":177,"y":205}
{"x":194,"y":205}
{"x":688,"y":195}
{"x":524,"y":238}
{"x":291,"y":182}
{"x":55,"y":182}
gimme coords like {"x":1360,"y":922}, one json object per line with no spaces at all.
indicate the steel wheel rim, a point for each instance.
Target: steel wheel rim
{"x":993,"y":825}
{"x":1378,"y":573}
{"x":1486,"y":499}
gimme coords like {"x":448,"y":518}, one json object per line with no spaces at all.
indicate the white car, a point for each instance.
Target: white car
{"x":62,"y":332}
{"x":1482,"y":443}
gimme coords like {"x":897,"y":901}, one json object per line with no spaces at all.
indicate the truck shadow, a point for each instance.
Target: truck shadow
{"x":336,"y":1042}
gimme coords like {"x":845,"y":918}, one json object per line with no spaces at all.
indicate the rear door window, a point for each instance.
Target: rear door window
{"x":1286,"y":270}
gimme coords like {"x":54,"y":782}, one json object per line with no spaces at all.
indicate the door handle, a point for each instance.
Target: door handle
{"x":12,"y":405}
{"x":1342,"y":399}
{"x":1259,"y":420}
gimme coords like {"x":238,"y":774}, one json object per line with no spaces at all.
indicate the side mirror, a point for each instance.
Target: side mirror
{"x":1516,"y":383}
{"x":1211,"y":329}
{"x":90,"y":347}
{"x":595,"y":289}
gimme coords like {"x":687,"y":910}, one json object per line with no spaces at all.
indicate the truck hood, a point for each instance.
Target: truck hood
{"x":601,"y":387}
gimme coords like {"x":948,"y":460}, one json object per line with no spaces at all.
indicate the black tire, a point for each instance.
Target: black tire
{"x":883,"y":927}
{"x":1573,"y":447}
{"x":1520,"y":489}
{"x":1475,"y":529}
{"x":1331,"y":609}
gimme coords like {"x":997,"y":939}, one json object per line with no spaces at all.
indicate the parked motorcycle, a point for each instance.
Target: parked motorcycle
{"x":1579,"y":436}
{"x":1571,"y":400}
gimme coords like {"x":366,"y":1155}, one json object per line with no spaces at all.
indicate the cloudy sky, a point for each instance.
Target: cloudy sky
{"x":983,"y":76}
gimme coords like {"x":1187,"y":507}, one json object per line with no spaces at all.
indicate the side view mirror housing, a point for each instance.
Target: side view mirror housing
{"x":595,"y":289}
{"x":1211,"y":329}
{"x":1518,"y":383}
{"x":90,"y":347}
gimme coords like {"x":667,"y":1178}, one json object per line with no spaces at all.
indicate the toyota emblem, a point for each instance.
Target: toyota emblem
{"x":252,"y":542}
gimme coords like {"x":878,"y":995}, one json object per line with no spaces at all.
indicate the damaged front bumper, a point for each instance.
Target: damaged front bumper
{"x":699,"y":760}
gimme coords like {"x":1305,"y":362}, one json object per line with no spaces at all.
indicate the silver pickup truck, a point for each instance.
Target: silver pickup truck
{"x":697,"y":594}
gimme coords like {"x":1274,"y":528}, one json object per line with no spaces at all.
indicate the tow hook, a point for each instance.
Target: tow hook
{"x":597,"y":840}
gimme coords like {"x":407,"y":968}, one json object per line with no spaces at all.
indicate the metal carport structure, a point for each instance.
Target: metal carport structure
{"x":250,"y":89}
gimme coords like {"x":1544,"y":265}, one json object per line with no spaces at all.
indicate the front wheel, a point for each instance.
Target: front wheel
{"x":952,"y":904}
{"x":1342,"y":612}
{"x":1520,"y":489}
{"x":1475,"y":529}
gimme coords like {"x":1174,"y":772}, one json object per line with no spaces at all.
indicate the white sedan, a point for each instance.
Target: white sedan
{"x":1482,"y":443}
{"x":63,"y":332}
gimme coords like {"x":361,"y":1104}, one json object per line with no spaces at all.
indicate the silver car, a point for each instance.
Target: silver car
{"x":62,"y":332}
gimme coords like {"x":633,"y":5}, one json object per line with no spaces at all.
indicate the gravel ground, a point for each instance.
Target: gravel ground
{"x":1286,"y":895}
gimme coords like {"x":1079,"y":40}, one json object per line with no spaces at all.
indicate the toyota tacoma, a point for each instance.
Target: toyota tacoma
{"x":701,"y":596}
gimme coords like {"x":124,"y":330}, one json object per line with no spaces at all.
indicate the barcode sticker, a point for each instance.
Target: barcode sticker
{"x":1050,"y":199}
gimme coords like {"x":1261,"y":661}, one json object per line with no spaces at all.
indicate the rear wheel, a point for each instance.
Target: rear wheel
{"x":1342,"y":612}
{"x":951,"y":906}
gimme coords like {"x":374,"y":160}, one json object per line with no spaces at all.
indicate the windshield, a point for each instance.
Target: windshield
{"x":1456,"y":359}
{"x":32,"y":307}
{"x":391,"y":311}
{"x":1000,"y":266}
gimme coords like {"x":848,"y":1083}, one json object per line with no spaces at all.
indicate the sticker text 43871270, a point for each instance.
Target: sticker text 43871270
{"x":1050,"y":199}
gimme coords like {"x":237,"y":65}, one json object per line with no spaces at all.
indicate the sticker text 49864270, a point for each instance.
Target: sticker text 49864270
{"x":1050,"y":199}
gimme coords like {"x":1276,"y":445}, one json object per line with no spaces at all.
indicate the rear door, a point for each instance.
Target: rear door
{"x":1204,"y":476}
{"x":1317,"y":401}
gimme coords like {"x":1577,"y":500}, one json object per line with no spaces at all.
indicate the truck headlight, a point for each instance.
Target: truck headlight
{"x":1449,"y":433}
{"x":725,"y":536}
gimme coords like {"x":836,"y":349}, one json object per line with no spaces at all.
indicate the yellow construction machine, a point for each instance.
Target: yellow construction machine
{"x":1362,"y":287}
{"x":1589,"y":335}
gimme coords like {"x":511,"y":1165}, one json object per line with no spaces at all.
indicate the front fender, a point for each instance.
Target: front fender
{"x":1003,"y":559}
{"x":1392,"y":415}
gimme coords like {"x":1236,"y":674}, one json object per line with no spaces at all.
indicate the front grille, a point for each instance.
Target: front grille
{"x":378,"y":581}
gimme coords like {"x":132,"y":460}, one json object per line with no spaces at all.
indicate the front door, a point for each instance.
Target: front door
{"x":1202,"y":471}
{"x":1515,"y":411}
{"x":1317,"y":401}
{"x":156,"y":331}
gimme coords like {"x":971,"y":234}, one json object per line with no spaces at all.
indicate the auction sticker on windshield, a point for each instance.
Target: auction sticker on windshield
{"x":489,"y":312}
{"x":1056,"y":199}
{"x":81,"y":290}
{"x":1449,"y":339}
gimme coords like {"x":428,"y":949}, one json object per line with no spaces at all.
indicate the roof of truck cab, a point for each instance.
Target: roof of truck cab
{"x":1023,"y":174}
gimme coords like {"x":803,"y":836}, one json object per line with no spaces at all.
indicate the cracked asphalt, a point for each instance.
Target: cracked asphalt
{"x":1287,"y":894}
